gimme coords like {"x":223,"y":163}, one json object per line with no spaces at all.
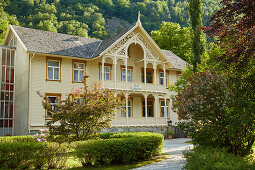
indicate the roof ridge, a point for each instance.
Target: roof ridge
{"x":59,"y":33}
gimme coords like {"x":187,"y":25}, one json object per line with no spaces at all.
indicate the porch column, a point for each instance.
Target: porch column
{"x":156,"y":108}
{"x":155,"y":74}
{"x":126,"y":96}
{"x":115,"y":71}
{"x":103,"y":60}
{"x":126,"y":71}
{"x":146,"y":109}
{"x":165,"y":109}
{"x":144,"y":73}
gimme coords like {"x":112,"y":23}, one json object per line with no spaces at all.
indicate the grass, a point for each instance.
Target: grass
{"x":190,"y":141}
{"x":73,"y":164}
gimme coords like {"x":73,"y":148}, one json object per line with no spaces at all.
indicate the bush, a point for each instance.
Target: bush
{"x":214,"y":158}
{"x":29,"y":138}
{"x":15,"y":154}
{"x":119,"y":148}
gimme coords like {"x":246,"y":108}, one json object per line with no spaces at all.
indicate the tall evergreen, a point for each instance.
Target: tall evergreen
{"x":195,"y":12}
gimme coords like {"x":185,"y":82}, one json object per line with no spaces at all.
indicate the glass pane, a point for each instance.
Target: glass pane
{"x":52,"y":99}
{"x":75,"y":75}
{"x":75,"y":65}
{"x":50,"y":73}
{"x":56,"y":73}
{"x":129,"y":102}
{"x":162,"y":112}
{"x":149,"y":79}
{"x":81,"y":66}
{"x":150,"y":111}
{"x":149,"y":73}
{"x":53,"y":63}
{"x":161,"y":81}
{"x":162,"y":103}
{"x":129,"y":112}
{"x":107,"y":76}
{"x":106,"y":69}
{"x":161,"y":74}
{"x":2,"y":110}
{"x":81,"y":75}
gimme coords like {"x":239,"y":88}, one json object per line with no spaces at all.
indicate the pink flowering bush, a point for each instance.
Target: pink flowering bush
{"x":83,"y":113}
{"x":42,"y":136}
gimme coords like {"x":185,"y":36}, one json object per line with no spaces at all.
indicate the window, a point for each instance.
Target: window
{"x":129,"y":75}
{"x":53,"y":98}
{"x":162,"y":108}
{"x":150,"y":112}
{"x":53,"y":69}
{"x":149,"y":75}
{"x":78,"y":71}
{"x":129,"y":109}
{"x":178,"y":74}
{"x":161,"y":78}
{"x":107,"y":72}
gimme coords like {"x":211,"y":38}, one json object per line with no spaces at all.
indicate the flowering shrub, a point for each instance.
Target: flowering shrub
{"x":42,"y":137}
{"x":83,"y":113}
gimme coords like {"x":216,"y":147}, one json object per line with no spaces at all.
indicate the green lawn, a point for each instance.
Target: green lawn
{"x":73,"y":164}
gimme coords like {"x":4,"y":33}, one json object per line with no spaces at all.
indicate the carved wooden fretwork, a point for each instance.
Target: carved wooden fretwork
{"x":120,"y":49}
{"x":122,"y":42}
{"x":147,"y":46}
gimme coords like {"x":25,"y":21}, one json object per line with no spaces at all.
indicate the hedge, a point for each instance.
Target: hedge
{"x":119,"y":148}
{"x":214,"y":158}
{"x":32,"y":155}
{"x":29,"y":138}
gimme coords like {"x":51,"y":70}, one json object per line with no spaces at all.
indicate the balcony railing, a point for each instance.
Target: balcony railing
{"x":139,"y":121}
{"x":134,"y":86}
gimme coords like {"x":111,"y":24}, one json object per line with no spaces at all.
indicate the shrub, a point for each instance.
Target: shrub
{"x":29,"y":154}
{"x":214,"y":158}
{"x":29,"y":138}
{"x":119,"y":148}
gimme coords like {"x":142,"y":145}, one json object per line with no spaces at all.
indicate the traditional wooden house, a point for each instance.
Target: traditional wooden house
{"x":129,"y":63}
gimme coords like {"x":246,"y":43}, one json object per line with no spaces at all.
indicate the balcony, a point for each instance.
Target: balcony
{"x":134,"y":86}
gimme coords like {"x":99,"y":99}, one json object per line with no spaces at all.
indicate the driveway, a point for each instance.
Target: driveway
{"x":175,"y":161}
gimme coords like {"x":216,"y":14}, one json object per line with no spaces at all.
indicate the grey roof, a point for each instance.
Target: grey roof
{"x":56,"y":43}
{"x":176,"y":61}
{"x":69,"y":45}
{"x":109,"y":41}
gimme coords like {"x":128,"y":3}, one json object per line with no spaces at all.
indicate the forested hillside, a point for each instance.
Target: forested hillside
{"x":88,"y":18}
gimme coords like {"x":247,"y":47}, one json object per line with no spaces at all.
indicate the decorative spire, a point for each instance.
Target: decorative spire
{"x":138,"y":19}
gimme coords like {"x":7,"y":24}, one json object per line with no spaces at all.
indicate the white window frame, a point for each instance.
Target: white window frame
{"x":162,"y":77}
{"x":105,"y":73}
{"x":53,"y":68}
{"x":123,"y":74}
{"x":80,"y":79}
{"x":162,"y":107}
{"x":130,"y":114}
{"x":52,"y":106}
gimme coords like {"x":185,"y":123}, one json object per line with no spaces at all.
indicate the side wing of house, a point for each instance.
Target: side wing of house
{"x":14,"y":86}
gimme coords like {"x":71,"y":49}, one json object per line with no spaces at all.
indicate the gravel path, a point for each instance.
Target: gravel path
{"x":175,"y":161}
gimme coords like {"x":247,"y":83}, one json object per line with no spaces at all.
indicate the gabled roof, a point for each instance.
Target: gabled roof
{"x":46,"y":42}
{"x":56,"y":43}
{"x":177,"y":62}
{"x":109,"y":41}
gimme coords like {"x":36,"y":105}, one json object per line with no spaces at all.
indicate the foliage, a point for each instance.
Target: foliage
{"x":83,"y":113}
{"x":215,"y":158}
{"x":119,"y":148}
{"x":12,"y":139}
{"x":195,"y":12}
{"x":209,"y":106}
{"x":29,"y":155}
{"x":171,"y":36}
{"x":49,"y":14}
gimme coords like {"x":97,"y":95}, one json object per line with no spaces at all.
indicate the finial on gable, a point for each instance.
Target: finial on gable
{"x":138,"y":19}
